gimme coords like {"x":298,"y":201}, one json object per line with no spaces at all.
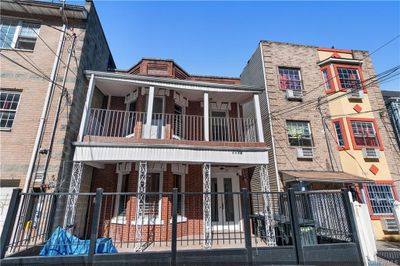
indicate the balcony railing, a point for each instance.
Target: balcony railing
{"x":126,"y":124}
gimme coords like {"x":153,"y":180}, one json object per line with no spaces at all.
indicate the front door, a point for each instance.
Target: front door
{"x":225,"y":207}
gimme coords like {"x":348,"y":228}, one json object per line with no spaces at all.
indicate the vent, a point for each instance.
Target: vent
{"x":123,"y":168}
{"x":389,"y":225}
{"x":39,"y":176}
{"x":371,"y":153}
{"x":294,"y":94}
{"x":305,"y":153}
{"x":355,"y":94}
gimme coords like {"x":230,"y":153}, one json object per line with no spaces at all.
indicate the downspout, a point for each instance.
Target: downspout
{"x":270,"y":119}
{"x":57,"y":116}
{"x":43,"y":118}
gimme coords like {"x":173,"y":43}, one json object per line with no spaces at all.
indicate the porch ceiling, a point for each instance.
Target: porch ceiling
{"x":123,"y":84}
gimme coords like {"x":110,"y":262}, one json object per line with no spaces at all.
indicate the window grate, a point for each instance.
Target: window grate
{"x":381,"y":198}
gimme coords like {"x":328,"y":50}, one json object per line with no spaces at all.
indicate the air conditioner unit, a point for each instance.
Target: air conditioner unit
{"x":123,"y":168}
{"x":305,"y":153}
{"x":355,"y":94}
{"x":389,"y":225}
{"x":294,"y":94}
{"x":371,"y":153}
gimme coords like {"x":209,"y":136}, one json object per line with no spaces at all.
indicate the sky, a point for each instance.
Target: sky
{"x":218,"y":38}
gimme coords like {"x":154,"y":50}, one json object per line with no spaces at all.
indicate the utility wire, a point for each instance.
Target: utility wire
{"x":44,"y":42}
{"x":378,"y":77}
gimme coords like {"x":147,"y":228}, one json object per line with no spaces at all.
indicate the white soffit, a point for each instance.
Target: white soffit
{"x":164,"y":154}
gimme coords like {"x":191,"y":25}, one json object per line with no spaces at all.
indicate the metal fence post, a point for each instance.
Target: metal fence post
{"x":174,"y":224}
{"x":350,"y":221}
{"x":95,"y":223}
{"x":246,"y":219}
{"x":9,"y":221}
{"x":294,"y":218}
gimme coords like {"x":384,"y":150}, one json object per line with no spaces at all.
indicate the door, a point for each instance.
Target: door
{"x":156,"y":126}
{"x":225,"y":207}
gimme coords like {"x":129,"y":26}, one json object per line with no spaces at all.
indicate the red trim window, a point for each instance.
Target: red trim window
{"x":290,"y":79}
{"x":364,"y":133}
{"x":328,"y":81}
{"x":341,"y":137}
{"x":349,"y":77}
{"x":380,"y":198}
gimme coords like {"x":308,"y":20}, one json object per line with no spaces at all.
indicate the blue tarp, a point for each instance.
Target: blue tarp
{"x":62,"y":242}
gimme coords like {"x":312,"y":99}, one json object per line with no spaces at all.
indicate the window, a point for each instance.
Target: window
{"x":152,"y":203}
{"x":299,"y":133}
{"x":364,"y":134}
{"x":340,"y":134}
{"x":179,"y":185}
{"x":18,"y":34}
{"x":178,"y":119}
{"x":349,"y":78}
{"x":381,"y":198}
{"x":121,"y":201}
{"x":8,"y":107}
{"x":326,"y":75}
{"x":290,"y":79}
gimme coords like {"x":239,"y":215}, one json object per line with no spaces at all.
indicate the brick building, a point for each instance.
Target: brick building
{"x":33,"y":35}
{"x":319,"y":117}
{"x":155,"y":127}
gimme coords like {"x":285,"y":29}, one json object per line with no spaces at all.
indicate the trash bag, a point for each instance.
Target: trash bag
{"x":63,"y":242}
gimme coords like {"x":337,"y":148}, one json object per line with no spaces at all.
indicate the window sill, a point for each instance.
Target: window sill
{"x":380,"y":216}
{"x":5,"y":129}
{"x":179,"y":219}
{"x":147,"y":221}
{"x":16,"y":49}
{"x":118,"y":220}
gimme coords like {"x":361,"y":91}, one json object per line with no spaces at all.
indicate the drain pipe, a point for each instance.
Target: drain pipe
{"x":64,"y":92}
{"x":43,"y":118}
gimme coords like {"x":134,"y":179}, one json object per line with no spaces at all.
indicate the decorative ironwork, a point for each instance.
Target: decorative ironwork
{"x":207,"y":205}
{"x":74,"y":187}
{"x":268,"y":212}
{"x":140,"y":206}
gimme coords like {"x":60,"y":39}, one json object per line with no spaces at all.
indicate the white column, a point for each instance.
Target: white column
{"x":140,"y":206}
{"x":149,"y":115}
{"x":206,"y":117}
{"x":86,"y":108}
{"x":268,"y":205}
{"x":207,"y":206}
{"x":260,"y":132}
{"x":74,"y":188}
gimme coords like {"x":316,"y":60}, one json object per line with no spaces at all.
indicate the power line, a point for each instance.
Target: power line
{"x":44,"y":42}
{"x":378,"y":78}
{"x":331,"y":78}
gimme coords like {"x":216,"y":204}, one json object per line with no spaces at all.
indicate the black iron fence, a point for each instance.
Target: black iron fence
{"x":174,"y":222}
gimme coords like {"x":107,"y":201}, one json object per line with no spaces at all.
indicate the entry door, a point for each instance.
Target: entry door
{"x":157,"y":121}
{"x":225,"y":208}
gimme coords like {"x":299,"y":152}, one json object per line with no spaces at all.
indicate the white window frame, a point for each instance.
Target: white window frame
{"x":182,"y":122}
{"x":9,"y":110}
{"x":119,"y":219}
{"x":18,"y":32}
{"x":357,"y":135}
{"x":157,"y":220}
{"x":309,"y":129}
{"x":292,"y":68}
